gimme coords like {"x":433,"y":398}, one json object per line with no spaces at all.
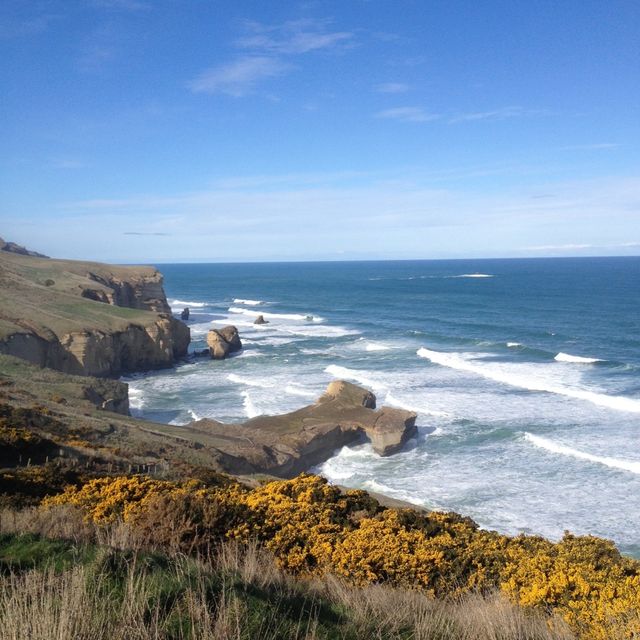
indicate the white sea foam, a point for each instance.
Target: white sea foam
{"x":136,"y":399}
{"x":280,"y":316}
{"x":514,"y":344}
{"x":352,"y":374}
{"x":294,"y":390}
{"x":250,"y":382}
{"x":391,"y":400}
{"x":249,"y":408}
{"x":251,"y":303}
{"x":193,"y":414}
{"x":376,"y":346}
{"x":186,"y":303}
{"x":473,"y":275}
{"x":567,"y":357}
{"x":616,"y":463}
{"x":515,"y":378}
{"x":320,"y":331}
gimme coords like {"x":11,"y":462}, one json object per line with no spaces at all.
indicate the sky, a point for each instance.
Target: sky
{"x":232,"y":130}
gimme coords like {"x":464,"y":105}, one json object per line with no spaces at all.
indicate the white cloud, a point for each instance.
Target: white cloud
{"x":410,"y":214}
{"x":268,"y":51}
{"x":294,"y":37}
{"x":240,"y":77}
{"x":392,"y":87}
{"x":407,"y":114}
{"x":497,"y":114}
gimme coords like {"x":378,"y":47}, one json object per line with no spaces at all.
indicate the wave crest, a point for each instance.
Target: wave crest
{"x":615,"y":463}
{"x":531,"y":383}
{"x":567,"y":357}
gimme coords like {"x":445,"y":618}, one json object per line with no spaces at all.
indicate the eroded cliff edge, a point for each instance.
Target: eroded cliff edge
{"x":86,"y":318}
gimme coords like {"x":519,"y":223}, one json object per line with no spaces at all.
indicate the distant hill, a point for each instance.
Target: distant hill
{"x":12,"y":247}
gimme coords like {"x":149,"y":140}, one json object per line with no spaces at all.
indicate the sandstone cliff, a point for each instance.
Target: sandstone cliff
{"x":86,"y":318}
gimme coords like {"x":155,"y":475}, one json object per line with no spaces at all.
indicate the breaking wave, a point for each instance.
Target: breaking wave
{"x":567,"y":357}
{"x":352,"y":374}
{"x":249,"y":408}
{"x":251,"y":303}
{"x":473,"y":275}
{"x":232,"y":377}
{"x":615,"y":463}
{"x":531,"y":383}
{"x":280,"y":316}
{"x":294,"y":390}
{"x":186,"y":303}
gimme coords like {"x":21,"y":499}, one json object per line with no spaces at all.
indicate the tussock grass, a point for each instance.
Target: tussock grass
{"x":98,"y":583}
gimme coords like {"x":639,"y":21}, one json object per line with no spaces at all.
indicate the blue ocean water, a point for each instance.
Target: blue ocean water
{"x":525,"y":375}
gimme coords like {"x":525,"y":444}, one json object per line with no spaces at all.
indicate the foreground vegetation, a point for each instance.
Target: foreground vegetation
{"x":62,"y":590}
{"x":322,"y":540}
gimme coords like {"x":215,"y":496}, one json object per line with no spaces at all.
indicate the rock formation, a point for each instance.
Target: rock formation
{"x":86,"y":318}
{"x":288,"y":444}
{"x":185,"y":314}
{"x":12,"y":247}
{"x":223,"y":341}
{"x":260,"y":320}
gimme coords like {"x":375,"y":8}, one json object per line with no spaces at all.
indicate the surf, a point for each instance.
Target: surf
{"x":615,"y":463}
{"x":530,"y":383}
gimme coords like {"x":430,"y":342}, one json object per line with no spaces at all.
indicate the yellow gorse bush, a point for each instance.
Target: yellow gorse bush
{"x":313,"y":527}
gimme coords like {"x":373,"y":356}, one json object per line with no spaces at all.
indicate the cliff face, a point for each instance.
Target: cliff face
{"x":87,"y":318}
{"x":140,"y":291}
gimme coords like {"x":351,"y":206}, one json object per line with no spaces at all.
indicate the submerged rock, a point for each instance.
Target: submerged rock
{"x":222,"y":342}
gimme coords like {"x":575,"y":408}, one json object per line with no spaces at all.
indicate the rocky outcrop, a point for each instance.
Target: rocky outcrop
{"x":141,"y":290}
{"x":109,"y":395}
{"x":260,"y":320}
{"x":222,"y":342}
{"x":86,"y":318}
{"x":12,"y":247}
{"x":185,"y":314}
{"x":288,"y":444}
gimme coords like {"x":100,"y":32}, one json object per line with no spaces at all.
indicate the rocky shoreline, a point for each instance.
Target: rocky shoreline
{"x":98,"y":321}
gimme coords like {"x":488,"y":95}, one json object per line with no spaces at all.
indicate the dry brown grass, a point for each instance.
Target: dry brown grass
{"x":239,"y":593}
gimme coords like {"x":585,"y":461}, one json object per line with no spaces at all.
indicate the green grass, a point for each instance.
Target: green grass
{"x":29,"y":551}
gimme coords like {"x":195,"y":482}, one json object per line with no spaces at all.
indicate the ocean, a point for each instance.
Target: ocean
{"x":525,"y":375}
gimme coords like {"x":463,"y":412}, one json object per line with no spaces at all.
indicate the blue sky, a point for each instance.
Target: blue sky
{"x":177,"y":130}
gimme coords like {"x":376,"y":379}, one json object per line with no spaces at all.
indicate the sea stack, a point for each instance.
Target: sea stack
{"x":185,"y":314}
{"x":222,"y":342}
{"x":260,"y":320}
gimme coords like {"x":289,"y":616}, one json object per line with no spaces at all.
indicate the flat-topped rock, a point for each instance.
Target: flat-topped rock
{"x":290,"y":443}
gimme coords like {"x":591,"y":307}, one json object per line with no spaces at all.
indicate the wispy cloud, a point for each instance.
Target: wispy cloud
{"x":407,"y":114}
{"x":497,"y":114}
{"x":392,"y":87}
{"x":144,"y":233}
{"x":583,"y":247}
{"x":273,"y":217}
{"x":269,"y":51}
{"x":239,"y":77}
{"x":599,"y":146}
{"x":294,"y":37}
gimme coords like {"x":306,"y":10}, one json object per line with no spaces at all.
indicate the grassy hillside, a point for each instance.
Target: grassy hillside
{"x":86,"y":590}
{"x":41,"y":295}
